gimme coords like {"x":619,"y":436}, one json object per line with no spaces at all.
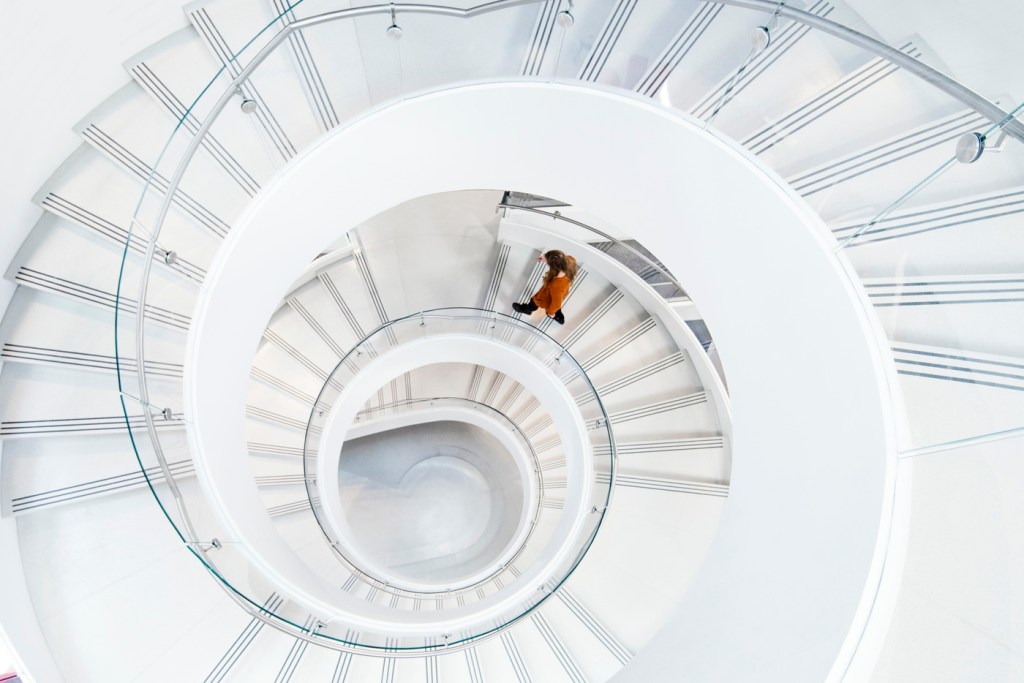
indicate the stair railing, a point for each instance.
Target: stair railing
{"x":495,"y":326}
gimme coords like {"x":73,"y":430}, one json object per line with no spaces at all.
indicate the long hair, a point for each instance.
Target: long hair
{"x":559,"y":262}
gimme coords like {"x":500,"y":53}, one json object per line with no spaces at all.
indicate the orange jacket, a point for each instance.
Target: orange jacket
{"x":550,"y":296}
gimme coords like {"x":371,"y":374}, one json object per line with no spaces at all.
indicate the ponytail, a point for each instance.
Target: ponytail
{"x":558,"y":261}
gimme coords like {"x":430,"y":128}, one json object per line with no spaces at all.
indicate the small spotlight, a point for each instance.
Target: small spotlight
{"x":249,"y":105}
{"x":394,"y":31}
{"x":970,"y":147}
{"x":760,"y":38}
{"x":565,"y":18}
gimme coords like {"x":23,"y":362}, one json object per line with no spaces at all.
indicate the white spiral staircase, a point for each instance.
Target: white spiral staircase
{"x":118,"y":595}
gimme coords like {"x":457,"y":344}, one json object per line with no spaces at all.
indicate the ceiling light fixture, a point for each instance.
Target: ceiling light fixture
{"x":394,"y":31}
{"x":565,"y":18}
{"x":249,"y":105}
{"x":760,"y":38}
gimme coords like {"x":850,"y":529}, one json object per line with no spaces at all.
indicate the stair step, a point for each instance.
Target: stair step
{"x":42,"y":328}
{"x":630,"y":41}
{"x":134,"y":134}
{"x":320,"y":66}
{"x":74,"y":469}
{"x":98,"y":296}
{"x":70,"y":583}
{"x":87,"y":403}
{"x":284,"y":127}
{"x":804,"y":136}
{"x":100,"y":200}
{"x":599,"y":651}
{"x":844,"y":184}
{"x":709,"y":61}
{"x":543,"y":650}
{"x":174,"y":72}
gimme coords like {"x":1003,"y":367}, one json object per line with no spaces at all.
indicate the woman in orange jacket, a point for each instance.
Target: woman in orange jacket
{"x":558,"y":279}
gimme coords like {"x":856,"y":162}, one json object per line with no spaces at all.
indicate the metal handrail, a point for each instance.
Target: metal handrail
{"x":990,"y":110}
{"x":558,"y":216}
{"x":951,"y":87}
{"x":198,"y":550}
{"x":463,"y":313}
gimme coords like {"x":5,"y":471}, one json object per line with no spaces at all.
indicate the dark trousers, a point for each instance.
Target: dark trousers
{"x":530,"y":307}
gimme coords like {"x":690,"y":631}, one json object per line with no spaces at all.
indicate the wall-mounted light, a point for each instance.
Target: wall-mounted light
{"x":565,"y":18}
{"x":248,"y":105}
{"x":394,"y":31}
{"x":760,"y":38}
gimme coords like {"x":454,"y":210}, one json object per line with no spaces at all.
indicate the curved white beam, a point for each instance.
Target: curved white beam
{"x":793,"y":569}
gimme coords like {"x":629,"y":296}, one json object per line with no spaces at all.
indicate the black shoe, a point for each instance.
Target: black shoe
{"x":559,"y":318}
{"x":519,"y":308}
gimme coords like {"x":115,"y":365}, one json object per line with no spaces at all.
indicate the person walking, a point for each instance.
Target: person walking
{"x":557,"y":281}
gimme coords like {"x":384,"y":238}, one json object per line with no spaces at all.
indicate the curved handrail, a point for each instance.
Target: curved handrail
{"x":990,"y":110}
{"x":1004,"y":120}
{"x":635,"y":252}
{"x":198,"y":548}
{"x":458,"y":313}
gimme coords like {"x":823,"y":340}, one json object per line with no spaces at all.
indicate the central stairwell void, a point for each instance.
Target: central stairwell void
{"x":439,"y":509}
{"x":341,"y":455}
{"x":558,"y":406}
{"x":624,"y":342}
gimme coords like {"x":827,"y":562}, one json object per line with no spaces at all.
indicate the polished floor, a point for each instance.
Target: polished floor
{"x":432,"y":503}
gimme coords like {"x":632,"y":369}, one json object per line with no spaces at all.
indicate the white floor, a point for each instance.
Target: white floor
{"x":434,"y":502}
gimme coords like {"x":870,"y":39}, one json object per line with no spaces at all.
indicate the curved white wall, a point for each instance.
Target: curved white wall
{"x":784,"y":583}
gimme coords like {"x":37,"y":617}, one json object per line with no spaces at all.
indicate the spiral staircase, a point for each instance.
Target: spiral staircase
{"x":607,"y":470}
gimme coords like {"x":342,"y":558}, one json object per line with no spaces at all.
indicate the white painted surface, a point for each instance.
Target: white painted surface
{"x":436,"y":503}
{"x":236,"y":500}
{"x":800,"y":536}
{"x":539,"y":381}
{"x":20,"y":631}
{"x":977,"y":43}
{"x":49,"y":42}
{"x":518,"y":467}
{"x":427,"y":525}
{"x":76,"y":50}
{"x":629,"y":282}
{"x":958,"y":611}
